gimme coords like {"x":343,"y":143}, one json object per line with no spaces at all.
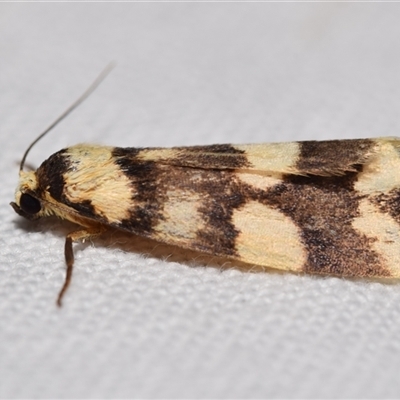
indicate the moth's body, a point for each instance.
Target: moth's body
{"x":329,"y":207}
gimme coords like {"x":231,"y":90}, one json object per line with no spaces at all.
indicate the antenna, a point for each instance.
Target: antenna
{"x":75,"y":104}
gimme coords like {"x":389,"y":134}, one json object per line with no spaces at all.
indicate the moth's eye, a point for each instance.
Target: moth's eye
{"x":29,"y":204}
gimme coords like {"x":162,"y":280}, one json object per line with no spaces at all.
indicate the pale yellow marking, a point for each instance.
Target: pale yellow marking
{"x":161,"y":154}
{"x":182,"y":219}
{"x":267,"y":237}
{"x":94,"y":176}
{"x":276,"y":157}
{"x":381,"y":174}
{"x":257,"y":181}
{"x":384,"y":231}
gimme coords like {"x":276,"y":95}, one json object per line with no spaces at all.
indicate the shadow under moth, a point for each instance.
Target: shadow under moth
{"x":328,"y":207}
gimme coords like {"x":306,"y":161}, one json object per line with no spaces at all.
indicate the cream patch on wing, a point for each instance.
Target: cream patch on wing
{"x":181,"y":218}
{"x":95,"y":177}
{"x":276,"y":157}
{"x":260,"y":182}
{"x":162,"y":154}
{"x":268,"y":237}
{"x":381,"y":174}
{"x":384,"y":232}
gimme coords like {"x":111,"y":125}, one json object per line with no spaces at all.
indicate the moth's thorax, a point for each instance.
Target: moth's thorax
{"x":67,"y":182}
{"x":83,"y":181}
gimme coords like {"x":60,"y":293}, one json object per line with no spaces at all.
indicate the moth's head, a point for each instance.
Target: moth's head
{"x":27,"y":202}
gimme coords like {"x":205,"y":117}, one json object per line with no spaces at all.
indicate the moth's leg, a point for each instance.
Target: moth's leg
{"x":81,"y":234}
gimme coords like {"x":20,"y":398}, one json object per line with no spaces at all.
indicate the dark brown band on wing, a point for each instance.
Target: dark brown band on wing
{"x":333,"y":157}
{"x":148,"y":189}
{"x":221,"y":196}
{"x":389,"y":203}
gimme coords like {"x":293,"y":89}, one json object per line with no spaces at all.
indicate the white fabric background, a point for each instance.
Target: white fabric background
{"x":145,"y":320}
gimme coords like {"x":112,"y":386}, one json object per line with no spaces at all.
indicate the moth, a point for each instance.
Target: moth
{"x":327,"y":207}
